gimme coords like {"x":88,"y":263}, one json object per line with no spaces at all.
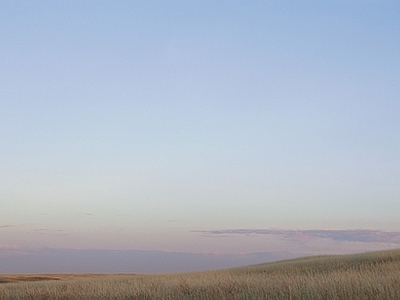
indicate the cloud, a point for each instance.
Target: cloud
{"x":356,"y":235}
{"x":35,"y":228}
{"x":8,"y":226}
{"x":8,"y":247}
{"x":8,"y":250}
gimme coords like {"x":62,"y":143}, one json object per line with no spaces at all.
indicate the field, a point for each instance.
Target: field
{"x":374,"y":275}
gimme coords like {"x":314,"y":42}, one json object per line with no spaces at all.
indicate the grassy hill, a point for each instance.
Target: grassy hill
{"x":374,"y":275}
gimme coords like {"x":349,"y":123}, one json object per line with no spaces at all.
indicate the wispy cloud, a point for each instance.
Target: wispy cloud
{"x":355,"y":235}
{"x":8,"y":226}
{"x":8,"y":247}
{"x":35,"y":228}
{"x":50,"y":231}
{"x":8,"y":250}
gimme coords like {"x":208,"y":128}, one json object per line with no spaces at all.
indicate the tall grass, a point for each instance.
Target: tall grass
{"x":363,"y":276}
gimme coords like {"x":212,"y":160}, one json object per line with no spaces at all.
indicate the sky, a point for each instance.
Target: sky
{"x":197,"y":128}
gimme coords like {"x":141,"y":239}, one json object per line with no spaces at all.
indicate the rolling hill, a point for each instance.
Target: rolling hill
{"x":374,"y":275}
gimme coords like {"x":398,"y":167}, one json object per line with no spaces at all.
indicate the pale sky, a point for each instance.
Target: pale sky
{"x":137,"y":125}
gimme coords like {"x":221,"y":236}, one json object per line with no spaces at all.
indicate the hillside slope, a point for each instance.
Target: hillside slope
{"x":374,"y":275}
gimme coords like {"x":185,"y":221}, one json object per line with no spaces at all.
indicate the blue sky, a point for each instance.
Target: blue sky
{"x":131,"y":125}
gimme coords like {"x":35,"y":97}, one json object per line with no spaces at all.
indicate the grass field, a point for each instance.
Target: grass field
{"x":374,"y":275}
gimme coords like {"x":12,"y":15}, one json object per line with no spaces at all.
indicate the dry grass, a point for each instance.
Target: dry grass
{"x":364,"y":276}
